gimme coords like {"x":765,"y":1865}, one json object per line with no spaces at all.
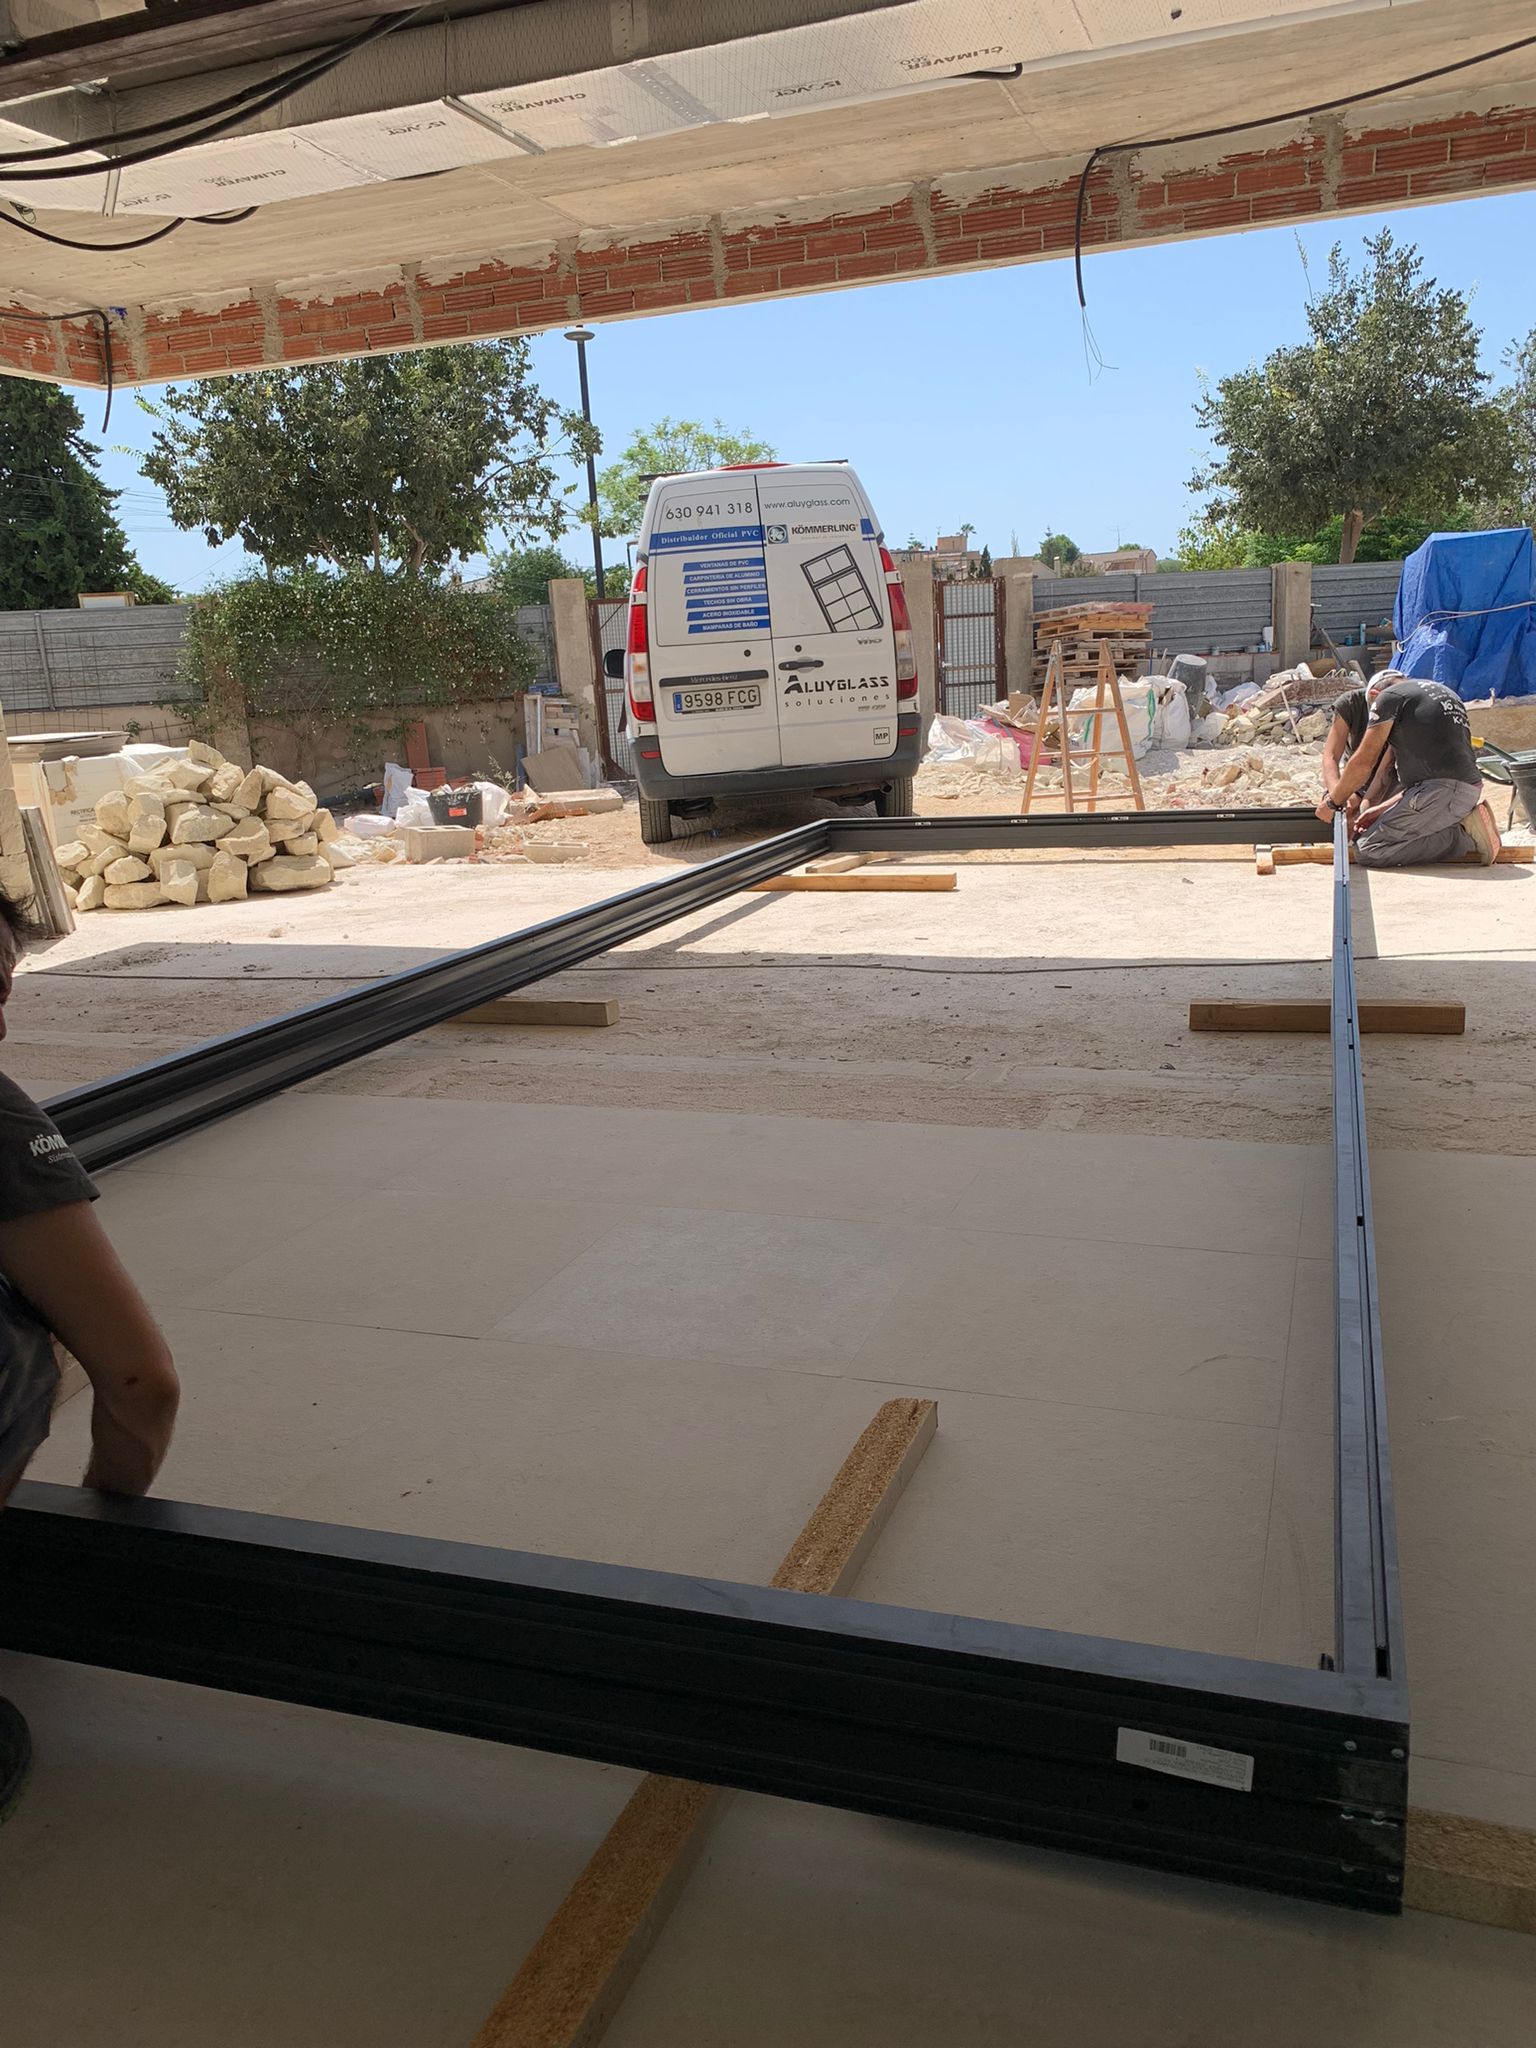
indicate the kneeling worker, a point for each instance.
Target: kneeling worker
{"x":1347,"y":730}
{"x":1439,"y":813}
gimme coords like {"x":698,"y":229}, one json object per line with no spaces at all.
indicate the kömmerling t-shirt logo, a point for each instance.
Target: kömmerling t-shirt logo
{"x":46,"y":1142}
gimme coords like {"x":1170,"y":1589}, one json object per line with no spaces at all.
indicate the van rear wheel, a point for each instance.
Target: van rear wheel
{"x":656,"y":821}
{"x":895,"y":800}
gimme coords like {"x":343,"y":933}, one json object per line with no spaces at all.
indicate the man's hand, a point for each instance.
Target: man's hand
{"x":1325,"y":811}
{"x":1369,"y":813}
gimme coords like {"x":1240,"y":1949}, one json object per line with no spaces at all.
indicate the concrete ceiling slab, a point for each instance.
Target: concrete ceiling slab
{"x":598,"y":231}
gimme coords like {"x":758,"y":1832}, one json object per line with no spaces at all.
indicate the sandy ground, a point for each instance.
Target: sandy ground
{"x":1181,"y":779}
{"x":1059,"y":1000}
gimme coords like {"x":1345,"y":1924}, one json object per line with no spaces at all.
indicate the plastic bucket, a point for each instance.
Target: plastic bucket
{"x":452,"y":806}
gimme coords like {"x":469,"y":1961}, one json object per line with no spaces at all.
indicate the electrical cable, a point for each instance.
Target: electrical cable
{"x":100,"y":316}
{"x":155,"y":152}
{"x":1523,"y":604}
{"x":1348,"y":99}
{"x":159,"y":234}
{"x":305,"y":72}
{"x":251,"y":101}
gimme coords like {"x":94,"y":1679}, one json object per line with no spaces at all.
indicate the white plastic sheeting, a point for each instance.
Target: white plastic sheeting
{"x":441,"y":96}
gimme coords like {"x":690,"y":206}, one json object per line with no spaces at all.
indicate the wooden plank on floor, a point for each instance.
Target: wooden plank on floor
{"x":836,"y":864}
{"x":1444,"y":1019}
{"x":578,"y":1971}
{"x":594,"y":1011}
{"x":891,"y":880}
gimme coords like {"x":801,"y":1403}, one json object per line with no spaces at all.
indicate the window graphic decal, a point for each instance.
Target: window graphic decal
{"x":837,"y":582}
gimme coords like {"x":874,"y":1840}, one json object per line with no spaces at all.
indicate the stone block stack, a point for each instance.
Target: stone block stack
{"x":200,"y":830}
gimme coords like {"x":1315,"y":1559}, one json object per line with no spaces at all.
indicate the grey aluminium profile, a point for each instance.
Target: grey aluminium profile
{"x":1367,"y":1604}
{"x":994,"y":1728}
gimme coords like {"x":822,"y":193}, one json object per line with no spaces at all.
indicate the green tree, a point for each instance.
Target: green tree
{"x":59,"y":532}
{"x":1058,"y":547}
{"x":397,"y":463}
{"x":1217,"y":542}
{"x":1516,"y":504}
{"x":523,"y":575}
{"x":984,"y":566}
{"x":1383,"y":410}
{"x":669,"y":447}
{"x":1221,"y":544}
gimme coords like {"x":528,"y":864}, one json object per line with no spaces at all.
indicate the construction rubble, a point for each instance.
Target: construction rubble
{"x":1293,"y":708}
{"x":473,"y":821}
{"x":1255,"y":744}
{"x":200,"y":830}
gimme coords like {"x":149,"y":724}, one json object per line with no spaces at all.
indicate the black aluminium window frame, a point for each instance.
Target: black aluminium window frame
{"x":1223,"y":1767}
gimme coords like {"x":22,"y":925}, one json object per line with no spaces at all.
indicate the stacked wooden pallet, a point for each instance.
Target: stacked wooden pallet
{"x":1082,"y":629}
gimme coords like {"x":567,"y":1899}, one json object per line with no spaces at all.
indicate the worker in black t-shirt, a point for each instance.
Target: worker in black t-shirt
{"x":1439,"y":813}
{"x":1350,"y":715}
{"x":63,"y":1286}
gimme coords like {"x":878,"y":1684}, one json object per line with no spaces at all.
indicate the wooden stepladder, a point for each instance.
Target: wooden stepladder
{"x":1107,"y":700}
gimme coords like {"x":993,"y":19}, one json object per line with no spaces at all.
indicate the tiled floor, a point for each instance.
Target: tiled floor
{"x":650,"y":1336}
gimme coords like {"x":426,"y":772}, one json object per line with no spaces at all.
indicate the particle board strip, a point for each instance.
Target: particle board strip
{"x":836,"y":864}
{"x":576,"y":1974}
{"x":881,"y":883}
{"x":594,"y":1011}
{"x":1471,"y":1870}
{"x":1444,"y":1019}
{"x":1512,"y":853}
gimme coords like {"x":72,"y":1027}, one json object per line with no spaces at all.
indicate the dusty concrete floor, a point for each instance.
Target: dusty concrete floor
{"x":1052,"y":992}
{"x":631,"y":1293}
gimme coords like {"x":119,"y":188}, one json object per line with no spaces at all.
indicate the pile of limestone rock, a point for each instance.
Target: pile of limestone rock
{"x":1274,"y":725}
{"x":200,"y":830}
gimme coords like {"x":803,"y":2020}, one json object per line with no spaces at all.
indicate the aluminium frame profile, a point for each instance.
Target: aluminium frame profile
{"x":999,"y":1729}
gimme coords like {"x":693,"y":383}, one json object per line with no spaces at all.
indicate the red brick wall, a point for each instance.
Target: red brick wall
{"x":67,"y":352}
{"x":1333,"y":170}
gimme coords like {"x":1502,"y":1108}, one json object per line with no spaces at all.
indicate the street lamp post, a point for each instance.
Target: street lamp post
{"x":581,"y":336}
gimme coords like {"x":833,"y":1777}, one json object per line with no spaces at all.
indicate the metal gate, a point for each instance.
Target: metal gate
{"x":968,"y":625}
{"x":608,"y":619}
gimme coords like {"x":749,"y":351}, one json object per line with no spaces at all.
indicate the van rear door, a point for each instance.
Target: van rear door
{"x":834,"y":652}
{"x":711,"y":653}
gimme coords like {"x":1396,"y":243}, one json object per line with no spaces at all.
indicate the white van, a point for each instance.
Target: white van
{"x":769,"y":645}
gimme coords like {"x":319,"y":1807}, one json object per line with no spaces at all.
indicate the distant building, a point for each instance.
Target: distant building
{"x":951,"y":559}
{"x":954,"y":558}
{"x":1122,"y":562}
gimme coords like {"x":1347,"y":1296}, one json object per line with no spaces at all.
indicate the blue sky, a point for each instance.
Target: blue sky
{"x":968,"y":398}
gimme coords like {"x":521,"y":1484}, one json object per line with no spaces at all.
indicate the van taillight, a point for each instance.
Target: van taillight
{"x":901,"y":626}
{"x":641,"y":706}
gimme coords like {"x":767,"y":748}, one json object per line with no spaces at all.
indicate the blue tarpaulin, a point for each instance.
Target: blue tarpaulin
{"x":1466,"y":613}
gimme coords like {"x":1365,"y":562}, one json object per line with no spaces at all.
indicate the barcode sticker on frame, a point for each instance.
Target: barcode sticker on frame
{"x":1229,"y":1767}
